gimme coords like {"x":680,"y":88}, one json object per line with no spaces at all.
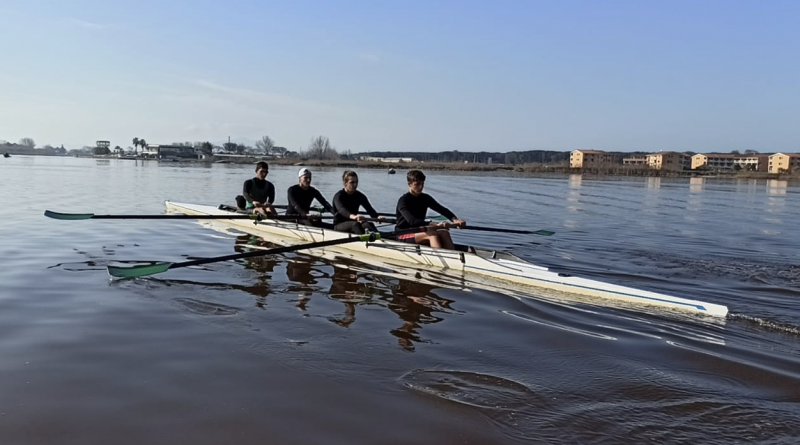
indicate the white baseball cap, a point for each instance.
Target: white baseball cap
{"x":303,"y":171}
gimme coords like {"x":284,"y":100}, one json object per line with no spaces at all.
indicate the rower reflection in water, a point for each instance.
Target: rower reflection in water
{"x":412,"y":209}
{"x":264,"y":265}
{"x":346,"y":289}
{"x":416,"y":304}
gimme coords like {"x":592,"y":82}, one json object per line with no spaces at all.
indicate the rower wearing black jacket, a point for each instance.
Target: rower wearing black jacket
{"x":346,"y":203}
{"x":258,"y":194}
{"x":300,"y":197}
{"x":412,"y":209}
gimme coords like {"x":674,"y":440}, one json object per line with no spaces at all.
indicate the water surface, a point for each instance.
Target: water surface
{"x":304,"y":349}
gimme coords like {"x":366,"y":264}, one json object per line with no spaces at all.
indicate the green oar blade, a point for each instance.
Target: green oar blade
{"x":137,"y":269}
{"x":544,"y":232}
{"x":68,"y":216}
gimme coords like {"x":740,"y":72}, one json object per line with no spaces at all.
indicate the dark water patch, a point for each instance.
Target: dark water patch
{"x":204,"y":307}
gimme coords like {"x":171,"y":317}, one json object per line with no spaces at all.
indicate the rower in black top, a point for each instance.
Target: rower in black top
{"x":346,"y":203}
{"x":300,"y":197}
{"x":259,"y":193}
{"x":412,"y":209}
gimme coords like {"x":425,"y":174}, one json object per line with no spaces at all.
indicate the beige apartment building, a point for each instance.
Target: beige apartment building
{"x":730,"y":161}
{"x":784,"y":162}
{"x":669,"y":160}
{"x":590,"y":158}
{"x":635,"y":160}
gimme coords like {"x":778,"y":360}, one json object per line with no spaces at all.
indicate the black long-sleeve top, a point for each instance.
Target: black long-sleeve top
{"x":412,"y":210}
{"x":300,"y":200}
{"x":345,"y":204}
{"x":259,"y":190}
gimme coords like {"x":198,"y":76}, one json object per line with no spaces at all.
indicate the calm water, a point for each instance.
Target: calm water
{"x":295,"y":349}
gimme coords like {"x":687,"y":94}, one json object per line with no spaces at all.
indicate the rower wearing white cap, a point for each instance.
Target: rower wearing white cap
{"x":300,"y":197}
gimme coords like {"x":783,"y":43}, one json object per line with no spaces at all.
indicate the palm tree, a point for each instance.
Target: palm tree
{"x":135,"y":144}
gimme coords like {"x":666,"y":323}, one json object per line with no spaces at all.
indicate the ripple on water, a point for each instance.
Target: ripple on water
{"x":509,"y":405}
{"x":204,"y":307}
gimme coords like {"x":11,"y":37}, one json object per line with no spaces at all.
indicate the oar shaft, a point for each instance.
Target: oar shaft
{"x":275,"y":251}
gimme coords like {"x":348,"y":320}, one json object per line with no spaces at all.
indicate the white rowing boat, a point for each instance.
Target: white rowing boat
{"x":497,"y":265}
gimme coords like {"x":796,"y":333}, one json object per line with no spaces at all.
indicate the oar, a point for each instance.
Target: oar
{"x":253,"y":216}
{"x":485,"y":229}
{"x":145,"y":268}
{"x":495,"y":229}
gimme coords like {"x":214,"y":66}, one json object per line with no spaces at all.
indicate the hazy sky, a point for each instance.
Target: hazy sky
{"x":405,"y":75}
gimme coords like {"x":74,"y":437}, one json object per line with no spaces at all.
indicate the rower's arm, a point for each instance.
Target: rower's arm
{"x":325,"y":204}
{"x":246,"y":188}
{"x":368,"y":207}
{"x":338,"y":204}
{"x":296,"y":208}
{"x":440,"y":209}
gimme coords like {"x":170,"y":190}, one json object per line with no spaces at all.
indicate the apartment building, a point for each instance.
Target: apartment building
{"x":669,"y":160}
{"x":590,"y":158}
{"x":784,"y":162}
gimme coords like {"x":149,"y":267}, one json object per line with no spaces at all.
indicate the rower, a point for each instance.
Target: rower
{"x":346,"y":203}
{"x":412,"y":209}
{"x":259,"y":193}
{"x":300,"y":197}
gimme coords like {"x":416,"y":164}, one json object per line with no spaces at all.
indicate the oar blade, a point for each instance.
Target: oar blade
{"x":544,"y":232}
{"x":68,"y":216}
{"x":137,"y":269}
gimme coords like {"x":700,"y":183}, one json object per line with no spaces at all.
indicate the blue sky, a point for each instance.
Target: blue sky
{"x":500,"y":75}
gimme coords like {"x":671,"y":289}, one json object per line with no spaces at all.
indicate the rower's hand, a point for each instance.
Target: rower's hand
{"x":381,"y":218}
{"x":460,"y":223}
{"x":313,"y":217}
{"x":359,"y":218}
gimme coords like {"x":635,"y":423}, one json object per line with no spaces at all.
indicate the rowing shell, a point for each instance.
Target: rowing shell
{"x":503,"y":266}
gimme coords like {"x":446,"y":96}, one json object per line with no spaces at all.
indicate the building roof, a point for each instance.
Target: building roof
{"x":592,"y":152}
{"x":660,"y":153}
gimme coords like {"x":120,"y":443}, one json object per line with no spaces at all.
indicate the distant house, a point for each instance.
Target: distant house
{"x":170,"y":152}
{"x":635,"y":160}
{"x":590,"y":158}
{"x":752,"y":162}
{"x":377,"y":159}
{"x":713,"y":161}
{"x":669,"y":160}
{"x":784,"y":162}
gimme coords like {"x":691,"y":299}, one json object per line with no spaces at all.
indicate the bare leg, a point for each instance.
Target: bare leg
{"x":446,"y":240}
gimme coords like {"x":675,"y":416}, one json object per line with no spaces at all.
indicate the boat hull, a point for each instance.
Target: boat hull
{"x":496,"y":265}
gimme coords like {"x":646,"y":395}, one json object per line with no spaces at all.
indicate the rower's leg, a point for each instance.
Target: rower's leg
{"x":446,"y":240}
{"x":427,"y":239}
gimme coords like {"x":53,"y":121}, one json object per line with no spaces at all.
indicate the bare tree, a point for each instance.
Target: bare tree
{"x":321,"y":148}
{"x":266,"y":144}
{"x":28,"y":142}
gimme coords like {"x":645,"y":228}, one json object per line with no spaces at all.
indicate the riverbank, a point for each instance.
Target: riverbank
{"x":501,"y":169}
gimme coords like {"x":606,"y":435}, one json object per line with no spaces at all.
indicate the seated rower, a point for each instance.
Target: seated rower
{"x":412,"y":209}
{"x":259,"y":193}
{"x":300,"y":197}
{"x":346,"y":203}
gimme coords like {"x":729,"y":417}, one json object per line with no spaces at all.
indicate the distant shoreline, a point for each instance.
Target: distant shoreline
{"x":529,"y":168}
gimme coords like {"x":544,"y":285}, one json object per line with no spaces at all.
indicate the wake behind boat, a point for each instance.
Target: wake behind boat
{"x":504,"y":266}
